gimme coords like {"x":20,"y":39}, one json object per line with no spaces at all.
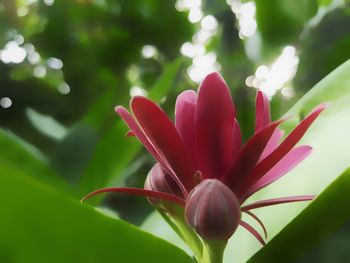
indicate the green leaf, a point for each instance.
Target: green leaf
{"x":324,"y":2}
{"x":327,"y":214}
{"x":20,"y":155}
{"x":165,"y":81}
{"x":112,"y":153}
{"x":40,"y":224}
{"x":280,"y":22}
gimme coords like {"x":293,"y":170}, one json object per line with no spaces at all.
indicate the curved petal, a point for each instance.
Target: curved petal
{"x":277,"y":201}
{"x":165,"y":138}
{"x":138,"y":192}
{"x":253,"y":232}
{"x":257,"y":219}
{"x":184,"y":120}
{"x":272,"y":144}
{"x":158,"y":179}
{"x":262,"y":111}
{"x":292,"y":159}
{"x":136,"y":130}
{"x":215,"y":115}
{"x":248,"y":158}
{"x":237,"y":140}
{"x":292,"y":139}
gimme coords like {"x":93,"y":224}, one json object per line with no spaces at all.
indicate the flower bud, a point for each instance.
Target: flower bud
{"x":213,"y":210}
{"x":159,"y":180}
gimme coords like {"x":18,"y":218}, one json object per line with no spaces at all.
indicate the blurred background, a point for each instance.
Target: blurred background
{"x":65,"y":64}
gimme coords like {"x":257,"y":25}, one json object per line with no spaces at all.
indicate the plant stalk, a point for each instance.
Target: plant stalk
{"x":213,"y":252}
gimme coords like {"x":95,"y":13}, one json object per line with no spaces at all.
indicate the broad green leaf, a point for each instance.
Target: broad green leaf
{"x":165,"y":81}
{"x":40,"y":225}
{"x":20,"y":155}
{"x":325,"y":216}
{"x":112,"y":153}
{"x":324,"y":2}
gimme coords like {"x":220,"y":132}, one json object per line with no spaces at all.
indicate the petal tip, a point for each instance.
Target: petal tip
{"x":323,"y":106}
{"x":214,"y":76}
{"x":140,"y":100}
{"x":118,"y":109}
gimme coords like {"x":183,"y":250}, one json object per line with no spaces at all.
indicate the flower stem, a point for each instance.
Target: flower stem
{"x":213,"y":252}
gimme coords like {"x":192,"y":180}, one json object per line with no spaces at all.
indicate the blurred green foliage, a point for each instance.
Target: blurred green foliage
{"x":312,"y":221}
{"x":40,"y":224}
{"x":84,"y":57}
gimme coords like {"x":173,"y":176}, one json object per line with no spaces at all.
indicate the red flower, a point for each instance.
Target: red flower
{"x":205,"y":144}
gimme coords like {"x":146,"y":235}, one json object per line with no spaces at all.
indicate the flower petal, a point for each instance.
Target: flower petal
{"x":277,"y":201}
{"x":136,"y":130}
{"x":237,"y":140}
{"x":257,"y":219}
{"x":248,"y":157}
{"x":184,"y":120}
{"x":253,"y":232}
{"x":262,"y":111}
{"x":165,"y":138}
{"x":215,"y":115}
{"x":158,"y":179}
{"x":139,"y":192}
{"x":272,"y":144}
{"x":292,"y":139}
{"x":288,"y":162}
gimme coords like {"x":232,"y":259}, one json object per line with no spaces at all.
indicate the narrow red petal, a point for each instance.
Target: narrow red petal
{"x":248,"y":157}
{"x":165,"y":138}
{"x":288,"y":162}
{"x":253,"y":232}
{"x":272,"y":144}
{"x":135,"y":129}
{"x":262,"y":111}
{"x":215,"y":115}
{"x":184,"y":120}
{"x":270,"y":161}
{"x":257,"y":219}
{"x":277,"y":201}
{"x":139,"y":192}
{"x":237,"y":140}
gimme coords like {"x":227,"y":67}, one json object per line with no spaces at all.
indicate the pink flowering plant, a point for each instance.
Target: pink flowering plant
{"x":204,"y":173}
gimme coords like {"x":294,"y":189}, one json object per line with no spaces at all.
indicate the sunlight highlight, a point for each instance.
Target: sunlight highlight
{"x":63,"y":88}
{"x":193,"y":6}
{"x":202,"y":62}
{"x":245,"y":14}
{"x":137,"y":91}
{"x":272,"y":78}
{"x":5,"y":102}
{"x":202,"y":66}
{"x":191,"y":50}
{"x":39,"y":71}
{"x":12,"y":53}
{"x":55,"y":63}
{"x":149,"y":51}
